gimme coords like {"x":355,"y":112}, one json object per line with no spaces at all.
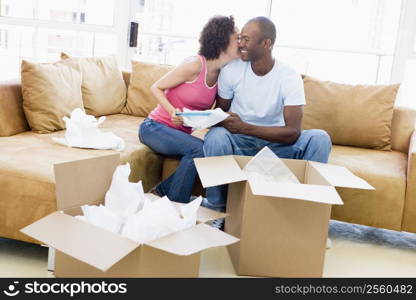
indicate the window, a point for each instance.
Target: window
{"x":169,"y":29}
{"x":349,"y":41}
{"x":345,"y":40}
{"x":39,"y":30}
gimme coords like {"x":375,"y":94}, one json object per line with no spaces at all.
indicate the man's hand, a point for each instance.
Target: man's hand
{"x":233,"y":123}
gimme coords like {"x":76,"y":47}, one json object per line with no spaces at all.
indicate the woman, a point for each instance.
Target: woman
{"x":192,"y":85}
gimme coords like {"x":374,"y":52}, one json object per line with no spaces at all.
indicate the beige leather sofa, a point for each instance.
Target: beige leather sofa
{"x":27,"y":190}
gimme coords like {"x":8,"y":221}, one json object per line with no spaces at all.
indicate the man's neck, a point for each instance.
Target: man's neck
{"x":263,"y":66}
{"x":214,"y":65}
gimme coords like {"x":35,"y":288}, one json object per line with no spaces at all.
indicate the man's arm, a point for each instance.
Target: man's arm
{"x":288,"y":134}
{"x":222,"y":103}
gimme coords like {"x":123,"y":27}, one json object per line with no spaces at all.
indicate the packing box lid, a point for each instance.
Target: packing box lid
{"x":84,"y":181}
{"x":90,"y":244}
{"x":102,"y":249}
{"x":339,"y":176}
{"x":220,"y":170}
{"x":193,"y":240}
{"x":308,"y":192}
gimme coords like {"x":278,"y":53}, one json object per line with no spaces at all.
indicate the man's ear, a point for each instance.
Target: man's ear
{"x":267,"y":43}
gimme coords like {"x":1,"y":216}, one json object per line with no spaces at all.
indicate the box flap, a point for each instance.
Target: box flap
{"x":340,"y":176}
{"x":84,"y":181}
{"x":204,"y":214}
{"x":308,"y":192}
{"x":87,"y":243}
{"x":193,"y":240}
{"x":218,"y":170}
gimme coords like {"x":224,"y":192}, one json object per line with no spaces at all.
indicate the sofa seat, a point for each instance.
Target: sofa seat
{"x":27,"y":188}
{"x":386,"y":172}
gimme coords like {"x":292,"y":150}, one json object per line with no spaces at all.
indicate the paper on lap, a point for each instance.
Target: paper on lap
{"x":198,"y":121}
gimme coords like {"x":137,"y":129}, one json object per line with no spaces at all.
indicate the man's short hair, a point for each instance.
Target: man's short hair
{"x":267,"y":28}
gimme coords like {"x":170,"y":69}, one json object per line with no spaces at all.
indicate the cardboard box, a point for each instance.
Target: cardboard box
{"x":84,"y":250}
{"x":282,"y":227}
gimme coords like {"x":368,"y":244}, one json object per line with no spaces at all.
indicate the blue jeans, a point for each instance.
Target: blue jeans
{"x":172,"y":142}
{"x":314,"y":145}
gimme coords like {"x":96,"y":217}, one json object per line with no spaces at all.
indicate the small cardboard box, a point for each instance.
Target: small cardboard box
{"x":282,"y":227}
{"x":84,"y":250}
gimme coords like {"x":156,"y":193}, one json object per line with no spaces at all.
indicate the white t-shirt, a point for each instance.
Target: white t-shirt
{"x":259,"y":100}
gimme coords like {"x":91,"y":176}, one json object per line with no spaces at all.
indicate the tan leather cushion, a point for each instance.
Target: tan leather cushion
{"x":50,"y":92}
{"x":103,"y":88}
{"x":359,"y":115}
{"x":140,"y":101}
{"x":386,"y":172}
{"x":12,"y":117}
{"x":27,"y":184}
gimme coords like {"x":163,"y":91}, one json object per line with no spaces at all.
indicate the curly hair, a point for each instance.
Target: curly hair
{"x":215,"y":36}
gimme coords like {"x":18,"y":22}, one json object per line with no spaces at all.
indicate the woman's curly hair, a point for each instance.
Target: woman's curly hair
{"x":215,"y":36}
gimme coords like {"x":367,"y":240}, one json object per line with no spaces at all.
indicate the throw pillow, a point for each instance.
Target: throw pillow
{"x":140,"y":100}
{"x":50,"y":92}
{"x":353,"y":115}
{"x":103,"y":88}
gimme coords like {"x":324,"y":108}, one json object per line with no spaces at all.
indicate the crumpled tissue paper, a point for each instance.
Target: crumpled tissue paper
{"x":128,"y":212}
{"x":102,"y":217}
{"x":124,"y":198}
{"x":82,"y":132}
{"x":158,"y":219}
{"x":202,"y":122}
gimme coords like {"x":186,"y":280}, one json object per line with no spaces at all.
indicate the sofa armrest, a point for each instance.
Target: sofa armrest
{"x":409,"y":214}
{"x":411,"y":163}
{"x":12,"y":117}
{"x":402,"y":126}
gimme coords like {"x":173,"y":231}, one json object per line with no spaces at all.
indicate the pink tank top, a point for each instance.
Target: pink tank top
{"x":195,"y":95}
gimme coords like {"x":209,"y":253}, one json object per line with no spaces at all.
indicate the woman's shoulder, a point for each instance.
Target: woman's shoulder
{"x":191,"y":65}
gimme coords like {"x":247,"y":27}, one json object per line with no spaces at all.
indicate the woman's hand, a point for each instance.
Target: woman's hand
{"x":177,"y":120}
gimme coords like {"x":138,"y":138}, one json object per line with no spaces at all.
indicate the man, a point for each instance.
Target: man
{"x":265,"y":99}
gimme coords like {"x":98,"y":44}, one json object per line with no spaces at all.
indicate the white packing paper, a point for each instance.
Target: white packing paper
{"x":124,"y":198}
{"x":160,"y":218}
{"x":82,"y":132}
{"x":202,"y":122}
{"x":129,"y":212}
{"x":267,"y":166}
{"x":102,"y":217}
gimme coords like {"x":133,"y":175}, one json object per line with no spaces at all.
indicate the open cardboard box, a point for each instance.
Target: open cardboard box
{"x":282,"y":227}
{"x":84,"y":250}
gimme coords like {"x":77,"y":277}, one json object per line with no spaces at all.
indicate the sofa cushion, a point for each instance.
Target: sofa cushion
{"x":27,"y":185}
{"x":359,"y":115}
{"x":50,"y":92}
{"x":386,"y":172}
{"x":12,"y":117}
{"x":140,"y":100}
{"x":103,"y":88}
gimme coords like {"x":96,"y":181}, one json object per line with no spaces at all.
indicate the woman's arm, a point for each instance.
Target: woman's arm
{"x":185,"y":72}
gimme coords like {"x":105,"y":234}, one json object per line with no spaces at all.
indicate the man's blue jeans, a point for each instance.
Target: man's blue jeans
{"x":314,"y":145}
{"x":172,"y":142}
